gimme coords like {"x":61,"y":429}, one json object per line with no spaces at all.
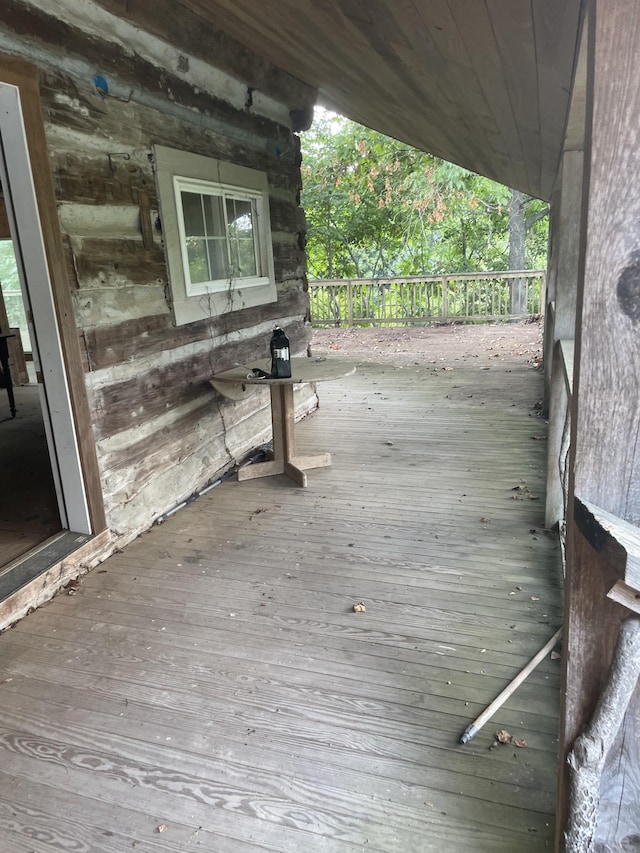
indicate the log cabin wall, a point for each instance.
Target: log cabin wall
{"x":161,"y":431}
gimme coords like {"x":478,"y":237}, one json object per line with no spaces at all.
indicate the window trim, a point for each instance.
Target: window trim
{"x":224,"y":191}
{"x":173,"y":166}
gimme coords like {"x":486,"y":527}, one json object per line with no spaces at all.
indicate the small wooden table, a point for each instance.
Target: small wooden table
{"x":234,"y":383}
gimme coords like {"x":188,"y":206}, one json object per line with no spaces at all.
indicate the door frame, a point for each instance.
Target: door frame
{"x":73,"y":436}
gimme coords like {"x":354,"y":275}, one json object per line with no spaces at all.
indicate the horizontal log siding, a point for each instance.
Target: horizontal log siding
{"x":161,"y":430}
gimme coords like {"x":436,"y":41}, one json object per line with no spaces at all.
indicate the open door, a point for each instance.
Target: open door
{"x":29,"y":503}
{"x":64,"y":487}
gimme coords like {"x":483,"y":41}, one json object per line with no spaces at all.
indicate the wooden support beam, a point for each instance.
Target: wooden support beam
{"x":615,"y":539}
{"x":605,"y":457}
{"x":566,"y":255}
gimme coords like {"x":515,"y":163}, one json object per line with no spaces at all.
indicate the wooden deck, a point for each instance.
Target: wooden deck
{"x":212,"y":678}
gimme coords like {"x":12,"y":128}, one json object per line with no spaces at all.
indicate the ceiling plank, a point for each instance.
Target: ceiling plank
{"x":482,"y":83}
{"x":556,"y":28}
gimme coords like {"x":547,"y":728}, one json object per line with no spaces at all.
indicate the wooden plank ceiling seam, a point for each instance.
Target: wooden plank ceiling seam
{"x":482,"y":84}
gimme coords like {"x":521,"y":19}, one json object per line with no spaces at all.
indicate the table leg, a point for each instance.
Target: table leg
{"x":285,"y":460}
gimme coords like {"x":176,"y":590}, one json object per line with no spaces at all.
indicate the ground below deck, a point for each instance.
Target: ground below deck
{"x":211,"y":688}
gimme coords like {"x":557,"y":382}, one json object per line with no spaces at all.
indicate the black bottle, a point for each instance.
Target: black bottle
{"x":280,"y":355}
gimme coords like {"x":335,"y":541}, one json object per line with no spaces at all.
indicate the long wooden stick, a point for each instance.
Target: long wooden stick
{"x":472,"y":730}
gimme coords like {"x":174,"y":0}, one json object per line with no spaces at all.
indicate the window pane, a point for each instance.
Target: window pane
{"x":197,"y":259}
{"x":218,"y":260}
{"x":192,"y":213}
{"x":246,"y":254}
{"x":214,"y":215}
{"x":240,"y":217}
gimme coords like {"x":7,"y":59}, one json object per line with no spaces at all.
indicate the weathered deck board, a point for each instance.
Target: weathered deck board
{"x":213,"y":677}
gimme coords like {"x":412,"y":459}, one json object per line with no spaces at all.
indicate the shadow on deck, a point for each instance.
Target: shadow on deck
{"x":213,"y":679}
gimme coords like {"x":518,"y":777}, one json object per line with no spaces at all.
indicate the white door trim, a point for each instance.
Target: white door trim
{"x":26,"y":231}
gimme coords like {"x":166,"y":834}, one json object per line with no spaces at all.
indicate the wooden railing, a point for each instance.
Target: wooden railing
{"x":470,"y":297}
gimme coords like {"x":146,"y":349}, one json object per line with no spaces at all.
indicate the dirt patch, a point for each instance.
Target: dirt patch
{"x":471,"y":362}
{"x":447,"y":346}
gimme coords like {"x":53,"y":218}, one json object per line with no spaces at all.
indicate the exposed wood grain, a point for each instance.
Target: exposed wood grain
{"x":566,"y":256}
{"x":604,"y":462}
{"x":515,"y":41}
{"x":124,"y":404}
{"x":214,"y":673}
{"x":195,"y":36}
{"x":120,"y":343}
{"x":616,"y":540}
{"x":99,"y":153}
{"x":556,"y":45}
{"x":42,"y":588}
{"x":25,"y":78}
{"x":460,"y":80}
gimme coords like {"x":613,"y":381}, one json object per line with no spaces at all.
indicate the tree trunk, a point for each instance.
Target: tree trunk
{"x":517,"y":230}
{"x":329,"y":243}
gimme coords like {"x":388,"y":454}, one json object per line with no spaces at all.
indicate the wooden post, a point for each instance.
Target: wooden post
{"x":605,"y":456}
{"x":445,"y":299}
{"x":566,"y":254}
{"x":349,"y":304}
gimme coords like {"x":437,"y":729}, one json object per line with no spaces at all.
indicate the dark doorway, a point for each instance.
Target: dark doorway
{"x":28,"y":503}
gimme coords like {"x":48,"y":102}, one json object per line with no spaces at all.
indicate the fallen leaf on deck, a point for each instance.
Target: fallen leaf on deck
{"x":503,"y":736}
{"x":163,"y":827}
{"x":535,"y":598}
{"x":539,"y":437}
{"x":556,"y":656}
{"x":485,"y":520}
{"x":359,"y":607}
{"x":520,"y":743}
{"x":521,"y":488}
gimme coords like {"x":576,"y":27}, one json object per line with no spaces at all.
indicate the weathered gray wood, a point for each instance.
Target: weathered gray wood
{"x":464,"y":80}
{"x":615,"y":539}
{"x":606,"y":412}
{"x":591,"y":749}
{"x":229,"y":629}
{"x":145,"y":377}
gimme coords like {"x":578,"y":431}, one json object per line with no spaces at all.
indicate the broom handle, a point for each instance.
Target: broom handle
{"x":472,"y":730}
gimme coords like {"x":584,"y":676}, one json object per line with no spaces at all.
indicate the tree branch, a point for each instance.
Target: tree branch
{"x":535,"y":217}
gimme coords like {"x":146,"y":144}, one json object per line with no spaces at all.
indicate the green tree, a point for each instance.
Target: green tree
{"x":376,"y":207}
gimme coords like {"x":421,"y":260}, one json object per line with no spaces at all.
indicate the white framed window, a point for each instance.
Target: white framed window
{"x":217,"y":234}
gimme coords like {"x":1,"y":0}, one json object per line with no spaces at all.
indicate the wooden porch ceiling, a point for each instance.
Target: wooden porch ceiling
{"x":482,"y":83}
{"x":213,"y":679}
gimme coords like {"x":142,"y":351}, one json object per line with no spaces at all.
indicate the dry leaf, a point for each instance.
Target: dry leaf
{"x":359,"y":607}
{"x":535,"y":598}
{"x":556,"y":656}
{"x":520,"y":743}
{"x":503,"y":736}
{"x":485,"y":520}
{"x":521,"y":488}
{"x":163,"y":827}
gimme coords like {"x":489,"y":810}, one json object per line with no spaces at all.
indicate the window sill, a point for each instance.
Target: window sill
{"x":214,"y":303}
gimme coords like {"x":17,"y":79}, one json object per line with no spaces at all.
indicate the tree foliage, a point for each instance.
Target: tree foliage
{"x":376,"y":207}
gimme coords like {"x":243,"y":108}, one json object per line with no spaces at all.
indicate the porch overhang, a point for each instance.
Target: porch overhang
{"x":485,"y":85}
